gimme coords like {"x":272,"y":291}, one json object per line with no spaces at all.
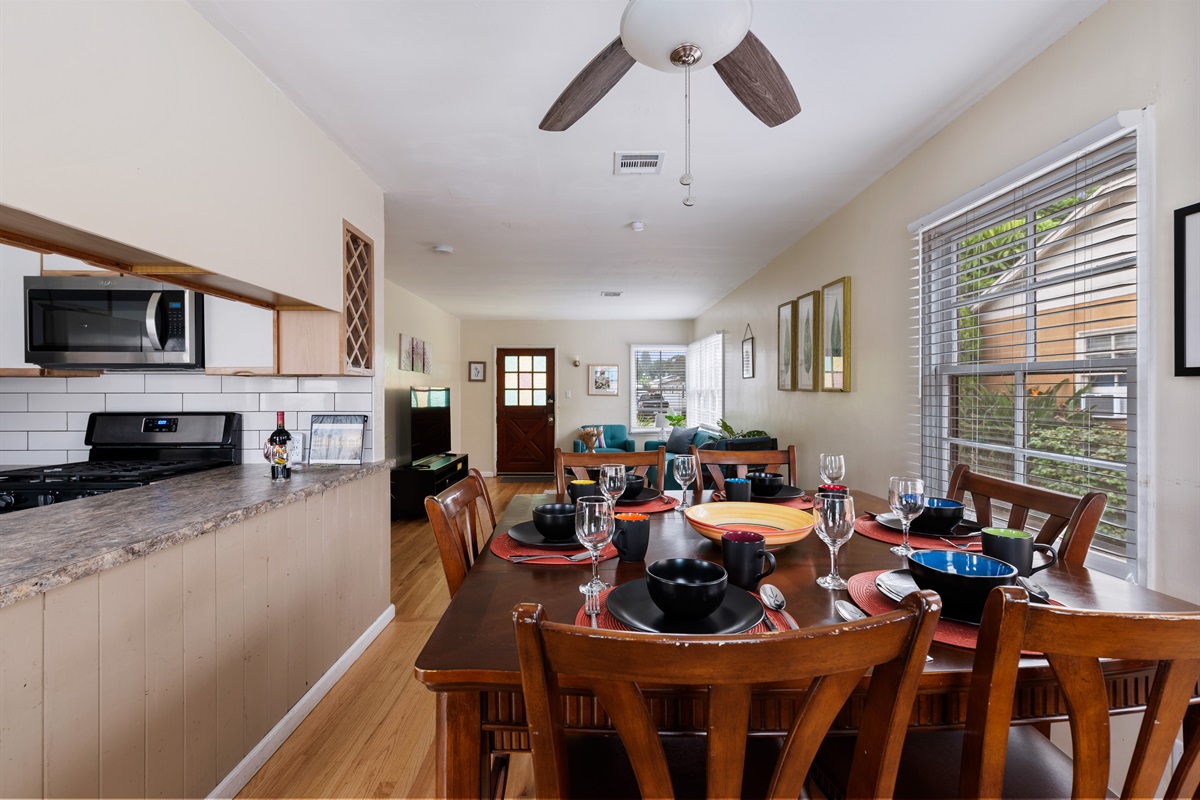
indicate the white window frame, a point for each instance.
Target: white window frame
{"x":634,"y":349}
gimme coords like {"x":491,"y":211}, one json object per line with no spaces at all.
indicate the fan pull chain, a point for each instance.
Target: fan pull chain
{"x":686,"y":177}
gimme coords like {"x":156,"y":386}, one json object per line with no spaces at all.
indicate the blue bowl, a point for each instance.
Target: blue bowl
{"x":940,"y":515}
{"x":963,"y":579}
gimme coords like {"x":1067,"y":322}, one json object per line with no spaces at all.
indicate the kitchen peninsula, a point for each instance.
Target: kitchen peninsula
{"x":152,"y":638}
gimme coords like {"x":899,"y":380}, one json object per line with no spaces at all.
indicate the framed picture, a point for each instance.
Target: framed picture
{"x":748,"y":355}
{"x":602,"y":379}
{"x":476,"y":371}
{"x":787,"y":346}
{"x":337,"y":438}
{"x":1187,"y":290}
{"x":835,"y":336}
{"x":808,"y":356}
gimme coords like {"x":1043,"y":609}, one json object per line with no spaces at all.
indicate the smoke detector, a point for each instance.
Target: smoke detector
{"x":443,"y":249}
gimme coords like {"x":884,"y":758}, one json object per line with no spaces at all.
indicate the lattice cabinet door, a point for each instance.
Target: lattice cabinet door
{"x":358,"y":317}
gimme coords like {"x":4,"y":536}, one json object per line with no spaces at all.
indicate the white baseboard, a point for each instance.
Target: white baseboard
{"x":240,"y":775}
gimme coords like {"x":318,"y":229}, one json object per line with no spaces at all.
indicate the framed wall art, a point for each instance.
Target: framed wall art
{"x":808,"y":346}
{"x":602,"y":379}
{"x":787,"y":346}
{"x":1187,"y":290}
{"x":337,"y":438}
{"x":835,"y":336}
{"x":748,"y":354}
{"x":476,"y":371}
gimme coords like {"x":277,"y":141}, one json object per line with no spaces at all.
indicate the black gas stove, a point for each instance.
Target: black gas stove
{"x":129,"y":450}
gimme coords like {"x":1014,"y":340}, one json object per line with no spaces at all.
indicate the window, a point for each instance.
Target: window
{"x":1028,"y":344}
{"x":659,"y":384}
{"x":706,"y":382}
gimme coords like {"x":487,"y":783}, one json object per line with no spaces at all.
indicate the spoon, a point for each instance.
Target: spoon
{"x":848,"y":611}
{"x":774,"y":598}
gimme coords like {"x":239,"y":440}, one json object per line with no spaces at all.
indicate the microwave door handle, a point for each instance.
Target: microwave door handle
{"x":152,"y":320}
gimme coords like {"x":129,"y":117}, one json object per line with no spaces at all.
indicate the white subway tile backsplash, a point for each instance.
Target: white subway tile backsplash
{"x":56,"y":440}
{"x":32,"y":458}
{"x":257,"y":383}
{"x":33,"y":421}
{"x":220,"y":402}
{"x":78,"y":455}
{"x":350,"y":384}
{"x":353,"y":402}
{"x":14,"y":440}
{"x":118,"y":382}
{"x":296,"y":402}
{"x":157,"y":403}
{"x":265,"y":420}
{"x":77,"y":421}
{"x":14,"y":402}
{"x":183,"y":384}
{"x":66,"y":402}
{"x":8,"y":385}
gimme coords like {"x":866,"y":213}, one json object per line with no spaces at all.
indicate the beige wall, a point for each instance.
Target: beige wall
{"x":593,"y":342}
{"x":1128,"y":55}
{"x":139,"y":122}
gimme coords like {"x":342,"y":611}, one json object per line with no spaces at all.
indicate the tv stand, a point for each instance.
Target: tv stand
{"x":413,"y":482}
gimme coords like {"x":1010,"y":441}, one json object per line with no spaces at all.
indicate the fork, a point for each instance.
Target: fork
{"x":591,"y":606}
{"x":956,"y":544}
{"x":575,"y":557}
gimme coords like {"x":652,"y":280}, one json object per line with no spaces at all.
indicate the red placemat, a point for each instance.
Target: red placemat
{"x":654,"y":506}
{"x":608,"y":622}
{"x":867,"y":526}
{"x":506,"y":546}
{"x":803,"y":503}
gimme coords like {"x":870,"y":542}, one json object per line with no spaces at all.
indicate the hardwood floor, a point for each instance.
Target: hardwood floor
{"x":372,"y":735}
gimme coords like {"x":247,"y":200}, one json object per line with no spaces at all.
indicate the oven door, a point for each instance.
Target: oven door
{"x":111,"y":323}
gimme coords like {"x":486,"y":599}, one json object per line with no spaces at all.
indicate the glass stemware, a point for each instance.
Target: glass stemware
{"x":832,"y":467}
{"x":906,"y":496}
{"x":594,"y":530}
{"x":834,"y":515}
{"x":685,"y":473}
{"x":612,"y":481}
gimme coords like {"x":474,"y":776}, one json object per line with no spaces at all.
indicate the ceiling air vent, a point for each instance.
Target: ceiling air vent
{"x":638,"y":163}
{"x":611,"y":294}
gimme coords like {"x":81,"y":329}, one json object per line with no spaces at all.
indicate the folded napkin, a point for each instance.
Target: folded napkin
{"x":606,"y":621}
{"x":507,"y":547}
{"x":867,"y":526}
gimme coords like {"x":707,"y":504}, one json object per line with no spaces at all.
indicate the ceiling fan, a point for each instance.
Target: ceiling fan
{"x":670,"y":34}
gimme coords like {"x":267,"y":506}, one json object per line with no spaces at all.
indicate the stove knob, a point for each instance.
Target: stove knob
{"x":45,"y":499}
{"x":7,"y":501}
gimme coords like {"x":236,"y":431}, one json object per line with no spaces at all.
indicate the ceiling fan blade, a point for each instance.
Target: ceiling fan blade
{"x":592,"y":83}
{"x":756,"y":79}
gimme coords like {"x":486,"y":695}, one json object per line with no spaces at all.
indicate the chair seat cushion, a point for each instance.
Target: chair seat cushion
{"x":929,"y":767}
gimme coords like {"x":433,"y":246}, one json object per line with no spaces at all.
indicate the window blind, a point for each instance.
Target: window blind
{"x":706,"y":381}
{"x":1027,"y":335}
{"x":659,"y":384}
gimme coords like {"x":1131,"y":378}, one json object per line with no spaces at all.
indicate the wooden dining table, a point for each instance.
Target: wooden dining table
{"x":470,"y":659}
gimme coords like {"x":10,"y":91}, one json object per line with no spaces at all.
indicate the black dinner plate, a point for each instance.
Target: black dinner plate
{"x":785,"y":494}
{"x":645,"y":496}
{"x":527,"y":533}
{"x":964,"y":528}
{"x":631,"y":604}
{"x":899,"y":583}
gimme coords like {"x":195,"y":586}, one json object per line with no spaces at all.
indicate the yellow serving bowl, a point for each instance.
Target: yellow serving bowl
{"x":778,"y":524}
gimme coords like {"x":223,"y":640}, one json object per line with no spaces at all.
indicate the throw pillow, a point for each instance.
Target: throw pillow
{"x":599,"y":436}
{"x":681,"y":440}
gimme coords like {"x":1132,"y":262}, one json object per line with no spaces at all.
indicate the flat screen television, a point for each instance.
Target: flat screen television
{"x":429,"y":426}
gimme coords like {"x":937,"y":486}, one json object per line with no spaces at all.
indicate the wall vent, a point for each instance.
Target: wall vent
{"x":637,"y":163}
{"x":611,"y":294}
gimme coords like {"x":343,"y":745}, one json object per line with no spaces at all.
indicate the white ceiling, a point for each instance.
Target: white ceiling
{"x":439,"y":102}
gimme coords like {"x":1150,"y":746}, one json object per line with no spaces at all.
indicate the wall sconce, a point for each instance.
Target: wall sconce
{"x":575,"y":360}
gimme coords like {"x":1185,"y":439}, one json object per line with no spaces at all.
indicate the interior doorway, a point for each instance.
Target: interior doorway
{"x":524,"y":410}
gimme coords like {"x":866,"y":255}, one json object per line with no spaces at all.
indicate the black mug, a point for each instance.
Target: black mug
{"x":1016,"y":548}
{"x":582,"y":488}
{"x":631,"y":536}
{"x":746,"y":558}
{"x":737,"y":490}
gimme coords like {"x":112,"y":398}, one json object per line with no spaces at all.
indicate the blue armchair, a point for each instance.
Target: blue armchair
{"x":616,"y":440}
{"x":699,"y":438}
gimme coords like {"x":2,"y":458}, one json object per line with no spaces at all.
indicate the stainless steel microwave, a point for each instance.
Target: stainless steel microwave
{"x":112,"y":322}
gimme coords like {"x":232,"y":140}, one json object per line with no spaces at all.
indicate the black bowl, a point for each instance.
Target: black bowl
{"x":633,"y":487}
{"x":555,"y":521}
{"x":963,"y":579}
{"x":940,"y":515}
{"x":686,"y":588}
{"x":765,"y":484}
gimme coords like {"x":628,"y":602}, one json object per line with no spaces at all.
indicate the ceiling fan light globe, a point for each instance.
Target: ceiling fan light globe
{"x":652,"y":29}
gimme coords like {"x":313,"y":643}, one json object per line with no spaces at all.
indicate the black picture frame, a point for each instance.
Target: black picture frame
{"x":748,"y":355}
{"x":1187,"y":290}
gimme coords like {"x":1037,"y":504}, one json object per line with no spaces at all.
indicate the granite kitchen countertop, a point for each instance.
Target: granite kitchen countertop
{"x":41,"y":548}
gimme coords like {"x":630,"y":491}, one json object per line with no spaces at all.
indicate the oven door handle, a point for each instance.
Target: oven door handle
{"x":152,"y":321}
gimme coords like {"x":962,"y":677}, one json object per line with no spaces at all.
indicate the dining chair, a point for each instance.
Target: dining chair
{"x":829,"y":661}
{"x":716,"y":461}
{"x":578,"y":463}
{"x":1074,"y":518}
{"x":999,"y":759}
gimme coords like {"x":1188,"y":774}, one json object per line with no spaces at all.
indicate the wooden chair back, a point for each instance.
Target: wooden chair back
{"x":578,"y":463}
{"x":456,"y":515}
{"x":1074,"y":642}
{"x":1074,"y":518}
{"x":834,"y":658}
{"x":714,"y":462}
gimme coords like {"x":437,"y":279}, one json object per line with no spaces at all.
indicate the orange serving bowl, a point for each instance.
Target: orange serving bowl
{"x":778,"y":524}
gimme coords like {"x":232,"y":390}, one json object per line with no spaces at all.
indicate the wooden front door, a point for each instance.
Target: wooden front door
{"x":525,"y":410}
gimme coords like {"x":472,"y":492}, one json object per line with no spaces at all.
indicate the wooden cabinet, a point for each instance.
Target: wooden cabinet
{"x":412,"y":484}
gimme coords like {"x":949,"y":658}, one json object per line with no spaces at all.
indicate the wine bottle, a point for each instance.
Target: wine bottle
{"x":278,"y":451}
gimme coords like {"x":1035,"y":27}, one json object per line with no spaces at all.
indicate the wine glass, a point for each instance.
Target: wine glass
{"x":834,"y":515}
{"x":906,"y":496}
{"x":612,"y":481}
{"x":685,"y":473}
{"x":833,"y":467}
{"x":594,"y":530}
